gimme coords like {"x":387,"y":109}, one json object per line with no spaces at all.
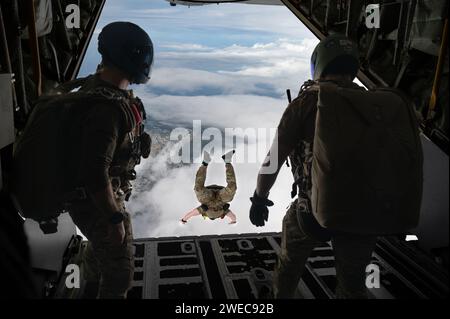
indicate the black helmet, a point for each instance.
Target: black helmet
{"x":129,"y":48}
{"x":336,"y":54}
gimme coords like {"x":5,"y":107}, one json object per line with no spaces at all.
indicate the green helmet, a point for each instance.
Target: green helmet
{"x":336,"y":54}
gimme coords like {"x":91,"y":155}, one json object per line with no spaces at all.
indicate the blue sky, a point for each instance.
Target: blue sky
{"x":227,"y":65}
{"x":209,"y":25}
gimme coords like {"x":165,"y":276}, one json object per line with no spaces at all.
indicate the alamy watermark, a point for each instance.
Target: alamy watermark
{"x":373,"y":16}
{"x":73,"y":278}
{"x":373,"y":276}
{"x":254,"y":144}
{"x":73,"y":17}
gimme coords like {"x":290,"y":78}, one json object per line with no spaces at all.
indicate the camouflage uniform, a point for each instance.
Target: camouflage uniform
{"x":352,"y":252}
{"x":109,"y":265}
{"x":102,"y":151}
{"x":214,"y":198}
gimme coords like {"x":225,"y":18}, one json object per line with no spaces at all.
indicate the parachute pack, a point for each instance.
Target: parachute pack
{"x":38,"y":185}
{"x":367,"y":161}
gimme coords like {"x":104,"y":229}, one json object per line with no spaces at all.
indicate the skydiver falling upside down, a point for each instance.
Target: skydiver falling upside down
{"x":214,"y":199}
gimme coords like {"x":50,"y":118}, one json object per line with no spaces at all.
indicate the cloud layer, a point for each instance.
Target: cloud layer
{"x":262,"y":69}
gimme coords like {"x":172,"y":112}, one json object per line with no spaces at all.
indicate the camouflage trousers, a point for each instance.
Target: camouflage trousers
{"x":215,"y":197}
{"x":110,"y":265}
{"x":352,"y":254}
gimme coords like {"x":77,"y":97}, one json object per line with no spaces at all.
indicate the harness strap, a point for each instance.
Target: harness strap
{"x":69,"y":86}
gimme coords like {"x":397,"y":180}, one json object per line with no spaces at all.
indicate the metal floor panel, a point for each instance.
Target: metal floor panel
{"x":240,"y":266}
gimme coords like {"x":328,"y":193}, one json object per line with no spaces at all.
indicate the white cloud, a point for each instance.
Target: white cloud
{"x":220,"y":111}
{"x":273,"y":50}
{"x":185,"y":46}
{"x":262,"y":68}
{"x":189,"y":80}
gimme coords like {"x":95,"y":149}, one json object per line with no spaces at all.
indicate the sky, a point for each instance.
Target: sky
{"x":228,"y":66}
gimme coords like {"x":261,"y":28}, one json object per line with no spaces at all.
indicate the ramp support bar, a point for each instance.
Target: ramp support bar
{"x":437,"y":74}
{"x":34,"y":46}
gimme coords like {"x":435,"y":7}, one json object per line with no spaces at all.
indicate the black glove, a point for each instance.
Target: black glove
{"x":146,"y":145}
{"x":259,"y":213}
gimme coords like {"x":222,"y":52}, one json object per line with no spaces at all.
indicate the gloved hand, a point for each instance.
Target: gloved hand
{"x":259,"y":213}
{"x":146,"y":145}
